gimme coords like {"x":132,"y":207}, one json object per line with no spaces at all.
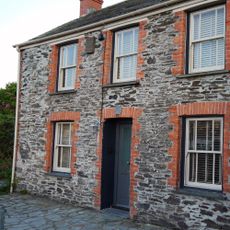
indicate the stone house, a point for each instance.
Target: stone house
{"x":129,"y":107}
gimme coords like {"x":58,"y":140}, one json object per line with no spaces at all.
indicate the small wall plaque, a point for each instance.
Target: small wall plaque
{"x":118,"y":109}
{"x":90,"y":45}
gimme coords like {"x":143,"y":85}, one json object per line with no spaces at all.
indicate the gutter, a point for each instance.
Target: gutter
{"x":101,"y":23}
{"x":16,"y":125}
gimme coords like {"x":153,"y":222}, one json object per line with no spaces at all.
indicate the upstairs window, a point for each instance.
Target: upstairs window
{"x":203,"y":153}
{"x":62,"y":147}
{"x":125,"y":55}
{"x":207,"y":40}
{"x":67,"y":67}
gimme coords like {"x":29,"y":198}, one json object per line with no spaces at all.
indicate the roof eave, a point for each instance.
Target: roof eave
{"x":97,"y":24}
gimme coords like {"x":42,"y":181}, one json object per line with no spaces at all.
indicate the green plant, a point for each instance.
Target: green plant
{"x":7,"y":116}
{"x":5,"y":174}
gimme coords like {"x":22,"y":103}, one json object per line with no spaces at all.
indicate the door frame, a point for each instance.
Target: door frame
{"x":126,"y":112}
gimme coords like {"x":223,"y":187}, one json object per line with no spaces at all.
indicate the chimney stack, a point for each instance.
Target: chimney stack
{"x":89,"y":6}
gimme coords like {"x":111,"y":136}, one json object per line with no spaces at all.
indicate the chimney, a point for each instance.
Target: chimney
{"x":89,"y":6}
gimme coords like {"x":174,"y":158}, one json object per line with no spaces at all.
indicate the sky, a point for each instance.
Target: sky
{"x":21,"y":20}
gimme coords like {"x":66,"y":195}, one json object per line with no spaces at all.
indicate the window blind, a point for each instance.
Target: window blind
{"x":203,"y":164}
{"x":62,"y":153}
{"x":207,"y":39}
{"x":126,"y":49}
{"x":68,"y":61}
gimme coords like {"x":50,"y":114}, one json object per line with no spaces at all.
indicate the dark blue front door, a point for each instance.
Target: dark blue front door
{"x":122,"y":165}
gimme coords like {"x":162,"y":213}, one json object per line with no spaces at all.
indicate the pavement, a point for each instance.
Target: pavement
{"x":25,"y":212}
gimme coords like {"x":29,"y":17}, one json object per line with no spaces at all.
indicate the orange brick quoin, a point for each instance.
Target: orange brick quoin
{"x":49,"y":137}
{"x":53,"y":66}
{"x":180,"y":43}
{"x":79,"y":61}
{"x":141,"y":48}
{"x":197,"y":109}
{"x":109,"y":113}
{"x":108,"y":46}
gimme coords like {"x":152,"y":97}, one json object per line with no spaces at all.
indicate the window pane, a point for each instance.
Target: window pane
{"x":209,"y":166}
{"x":201,"y":169}
{"x":220,"y":52}
{"x":196,"y":27}
{"x":208,"y":54}
{"x":220,"y":22}
{"x":196,"y":59}
{"x":217,"y":136}
{"x":192,"y":135}
{"x":71,"y":58}
{"x":128,"y":42}
{"x":70,"y":77}
{"x":136,"y":37}
{"x":64,"y":57}
{"x":58,"y":127}
{"x":63,"y":81}
{"x":66,"y":157}
{"x":192,"y":167}
{"x":66,"y":134}
{"x":59,"y":152}
{"x":217,"y":169}
{"x":208,"y":24}
{"x":128,"y":67}
{"x":119,"y":43}
{"x":201,"y":135}
{"x":205,"y":168}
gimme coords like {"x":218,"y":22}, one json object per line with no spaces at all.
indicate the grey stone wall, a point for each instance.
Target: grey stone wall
{"x":156,"y":201}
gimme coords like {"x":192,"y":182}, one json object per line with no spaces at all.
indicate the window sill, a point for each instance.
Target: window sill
{"x":209,"y":194}
{"x":120,"y":84}
{"x":63,"y":92}
{"x":60,"y":174}
{"x":203,"y":74}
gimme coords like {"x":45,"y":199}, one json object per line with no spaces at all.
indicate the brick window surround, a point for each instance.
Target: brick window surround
{"x":49,"y":137}
{"x":179,"y":55}
{"x":197,"y":109}
{"x":54,"y":65}
{"x":108,"y":113}
{"x":108,"y":58}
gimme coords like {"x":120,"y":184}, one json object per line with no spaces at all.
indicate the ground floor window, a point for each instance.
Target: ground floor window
{"x":62,"y":147}
{"x":203,"y":153}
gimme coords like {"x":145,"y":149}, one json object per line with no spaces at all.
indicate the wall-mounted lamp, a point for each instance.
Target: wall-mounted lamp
{"x":101,"y":36}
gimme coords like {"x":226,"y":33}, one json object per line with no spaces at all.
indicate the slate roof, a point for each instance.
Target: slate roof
{"x":105,"y":13}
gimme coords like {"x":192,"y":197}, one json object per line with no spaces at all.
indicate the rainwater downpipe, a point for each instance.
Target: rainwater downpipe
{"x":16,"y":124}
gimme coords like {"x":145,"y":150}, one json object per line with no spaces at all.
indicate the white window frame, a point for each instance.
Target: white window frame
{"x":117,"y":57}
{"x":192,"y":42}
{"x":187,"y":151}
{"x":63,"y":68}
{"x":56,"y":146}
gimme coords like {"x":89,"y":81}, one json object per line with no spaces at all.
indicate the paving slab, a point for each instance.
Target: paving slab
{"x":25,"y":212}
